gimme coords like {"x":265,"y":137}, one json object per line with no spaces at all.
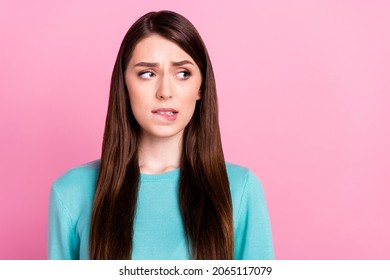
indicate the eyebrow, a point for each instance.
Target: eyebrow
{"x":183,"y":62}
{"x":155,"y":64}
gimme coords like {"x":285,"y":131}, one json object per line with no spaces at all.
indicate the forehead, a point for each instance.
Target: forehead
{"x":156,"y":48}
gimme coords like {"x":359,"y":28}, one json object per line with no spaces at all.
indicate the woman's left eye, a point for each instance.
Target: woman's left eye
{"x":183,"y":75}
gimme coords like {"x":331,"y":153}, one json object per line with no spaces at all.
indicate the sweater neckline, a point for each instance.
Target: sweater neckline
{"x":169,"y":175}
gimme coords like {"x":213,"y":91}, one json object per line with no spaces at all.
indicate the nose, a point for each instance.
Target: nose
{"x":164,"y":90}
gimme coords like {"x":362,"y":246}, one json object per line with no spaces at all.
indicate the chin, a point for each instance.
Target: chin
{"x":164,"y":133}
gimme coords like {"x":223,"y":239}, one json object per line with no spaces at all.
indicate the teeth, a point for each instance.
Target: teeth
{"x":166,"y":113}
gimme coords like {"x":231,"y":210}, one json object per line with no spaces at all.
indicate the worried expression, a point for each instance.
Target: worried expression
{"x":163,"y":83}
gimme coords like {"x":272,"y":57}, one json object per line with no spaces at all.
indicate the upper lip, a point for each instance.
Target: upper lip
{"x":164,"y":110}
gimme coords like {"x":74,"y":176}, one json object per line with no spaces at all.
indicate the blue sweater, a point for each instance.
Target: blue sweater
{"x":158,"y":228}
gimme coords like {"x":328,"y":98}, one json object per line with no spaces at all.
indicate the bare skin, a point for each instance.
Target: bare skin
{"x":163,"y":83}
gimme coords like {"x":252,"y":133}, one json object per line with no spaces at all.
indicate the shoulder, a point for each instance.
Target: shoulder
{"x":241,"y":177}
{"x":252,"y":230}
{"x":76,"y":187}
{"x":245,"y":188}
{"x":236,"y":170}
{"x":77,"y":177}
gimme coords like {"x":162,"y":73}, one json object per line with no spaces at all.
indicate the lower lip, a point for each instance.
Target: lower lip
{"x":167,"y":117}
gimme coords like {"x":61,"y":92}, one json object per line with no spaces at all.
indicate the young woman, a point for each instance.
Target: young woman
{"x":162,"y":189}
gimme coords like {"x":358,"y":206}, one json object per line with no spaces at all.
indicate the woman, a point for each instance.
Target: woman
{"x":162,"y":189}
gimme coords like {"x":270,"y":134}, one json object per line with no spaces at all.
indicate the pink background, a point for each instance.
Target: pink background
{"x":304,"y":94}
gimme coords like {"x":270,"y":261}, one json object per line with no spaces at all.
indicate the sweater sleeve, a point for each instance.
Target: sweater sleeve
{"x":253,"y":236}
{"x":62,"y":244}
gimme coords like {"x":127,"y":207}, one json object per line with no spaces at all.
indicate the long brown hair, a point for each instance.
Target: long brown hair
{"x":203,"y":184}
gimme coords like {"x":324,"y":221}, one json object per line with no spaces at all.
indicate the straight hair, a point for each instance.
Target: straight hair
{"x":204,"y":192}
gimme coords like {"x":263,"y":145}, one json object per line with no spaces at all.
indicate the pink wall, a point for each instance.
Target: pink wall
{"x":304,"y":94}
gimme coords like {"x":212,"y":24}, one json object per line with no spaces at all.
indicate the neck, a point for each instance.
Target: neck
{"x":158,"y":155}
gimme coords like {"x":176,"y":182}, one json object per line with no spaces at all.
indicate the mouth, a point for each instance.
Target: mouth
{"x":167,"y":113}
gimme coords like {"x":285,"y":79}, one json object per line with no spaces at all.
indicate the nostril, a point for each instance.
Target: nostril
{"x":165,"y":97}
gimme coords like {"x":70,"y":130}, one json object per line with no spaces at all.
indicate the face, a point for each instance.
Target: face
{"x":163,"y":82}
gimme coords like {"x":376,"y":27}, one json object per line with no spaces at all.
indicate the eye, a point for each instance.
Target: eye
{"x":184,"y":75}
{"x":146,"y":74}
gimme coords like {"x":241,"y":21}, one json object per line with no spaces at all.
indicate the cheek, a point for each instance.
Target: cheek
{"x":193,"y":90}
{"x":190,"y":104}
{"x":138,"y":97}
{"x":137,"y":105}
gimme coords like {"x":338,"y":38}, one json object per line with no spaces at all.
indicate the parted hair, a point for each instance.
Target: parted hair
{"x":204,"y":193}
